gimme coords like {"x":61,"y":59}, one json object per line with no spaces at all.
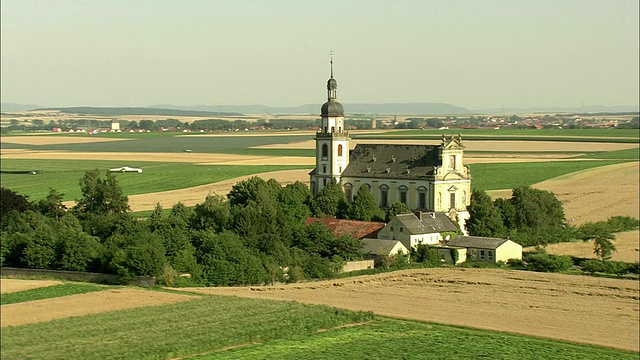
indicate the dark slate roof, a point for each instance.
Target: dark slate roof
{"x":357,"y":229}
{"x":378,"y":246}
{"x":430,"y":223}
{"x":478,"y":242}
{"x":332,"y":108}
{"x":420,"y":161}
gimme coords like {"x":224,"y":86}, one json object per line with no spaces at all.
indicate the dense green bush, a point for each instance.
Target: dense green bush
{"x":543,"y":262}
{"x":609,"y":267}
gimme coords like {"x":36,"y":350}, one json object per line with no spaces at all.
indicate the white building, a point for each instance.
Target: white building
{"x":429,"y":178}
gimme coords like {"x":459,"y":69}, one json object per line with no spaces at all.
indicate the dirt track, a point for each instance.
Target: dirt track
{"x":574,"y":308}
{"x":83,"y":304}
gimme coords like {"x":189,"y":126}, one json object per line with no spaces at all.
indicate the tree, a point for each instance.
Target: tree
{"x":294,"y":200}
{"x":330,"y":201}
{"x":11,"y":200}
{"x":101,"y":196}
{"x":601,"y":235}
{"x":364,"y":207}
{"x":246,"y":190}
{"x":397,"y":208}
{"x":484,"y":217}
{"x":52,"y":205}
{"x":536,"y":209}
{"x":213,"y":213}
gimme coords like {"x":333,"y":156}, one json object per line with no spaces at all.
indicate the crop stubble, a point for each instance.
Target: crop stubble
{"x":575,"y":308}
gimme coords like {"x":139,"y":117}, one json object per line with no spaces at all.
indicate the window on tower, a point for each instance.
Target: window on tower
{"x":340,"y":150}
{"x":325,"y":151}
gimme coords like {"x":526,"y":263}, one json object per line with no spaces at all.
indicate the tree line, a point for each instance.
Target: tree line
{"x":534,"y":217}
{"x":254,"y":235}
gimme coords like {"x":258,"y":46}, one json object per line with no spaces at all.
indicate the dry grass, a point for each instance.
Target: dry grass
{"x":627,"y":244}
{"x":56,"y":140}
{"x":15,"y":285}
{"x":581,"y":309}
{"x":83,"y":304}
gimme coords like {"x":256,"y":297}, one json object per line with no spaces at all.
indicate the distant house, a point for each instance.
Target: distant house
{"x":376,"y":248}
{"x":420,"y":228}
{"x":357,"y":229}
{"x":487,"y":249}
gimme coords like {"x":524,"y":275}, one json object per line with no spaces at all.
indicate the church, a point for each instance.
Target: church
{"x":427,"y":178}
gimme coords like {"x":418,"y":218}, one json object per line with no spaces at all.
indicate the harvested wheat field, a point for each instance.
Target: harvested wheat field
{"x":574,"y":308}
{"x":84,"y":304}
{"x":627,"y":246}
{"x":200,"y":158}
{"x":476,"y":145}
{"x":15,"y":285}
{"x":599,"y":193}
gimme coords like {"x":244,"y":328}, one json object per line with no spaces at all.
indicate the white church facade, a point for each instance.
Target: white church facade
{"x":428,"y":178}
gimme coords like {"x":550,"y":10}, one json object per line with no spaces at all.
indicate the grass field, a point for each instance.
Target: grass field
{"x":223,"y":327}
{"x":628,"y":154}
{"x":171,"y":331}
{"x":49,"y":292}
{"x":386,"y":338}
{"x":64,"y":175}
{"x":172,"y":144}
{"x":496,"y":176}
{"x":522,"y":134}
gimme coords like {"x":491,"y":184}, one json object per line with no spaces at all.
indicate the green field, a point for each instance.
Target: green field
{"x":496,"y":176}
{"x":210,"y":328}
{"x":172,"y":144}
{"x":386,"y":338}
{"x":65,"y":175}
{"x":169,"y":331}
{"x":532,"y":133}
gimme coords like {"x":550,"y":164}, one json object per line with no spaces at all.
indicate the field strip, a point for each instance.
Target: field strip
{"x":582,"y":309}
{"x":627,"y":245}
{"x":598,"y":193}
{"x":197,"y":194}
{"x":15,"y":285}
{"x":476,"y":145}
{"x":57,"y":140}
{"x":195,"y":158}
{"x":593,"y":194}
{"x":83,"y":304}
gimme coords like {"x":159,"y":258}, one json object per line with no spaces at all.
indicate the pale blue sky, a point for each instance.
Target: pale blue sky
{"x":473,"y":53}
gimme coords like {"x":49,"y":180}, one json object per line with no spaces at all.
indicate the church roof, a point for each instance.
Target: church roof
{"x":332,"y":108}
{"x":393,"y":161}
{"x":357,"y":229}
{"x":478,"y":242}
{"x":427,"y":223}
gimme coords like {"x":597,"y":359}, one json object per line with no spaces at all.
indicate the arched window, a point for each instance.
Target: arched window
{"x":384,"y":196}
{"x":325,"y":150}
{"x":340,"y":150}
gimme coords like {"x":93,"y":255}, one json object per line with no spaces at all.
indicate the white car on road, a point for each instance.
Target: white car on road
{"x":126,"y":169}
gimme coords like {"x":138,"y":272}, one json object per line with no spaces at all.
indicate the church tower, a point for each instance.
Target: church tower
{"x":332,"y":141}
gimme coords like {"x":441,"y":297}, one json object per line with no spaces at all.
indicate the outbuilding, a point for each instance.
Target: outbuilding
{"x":487,"y":249}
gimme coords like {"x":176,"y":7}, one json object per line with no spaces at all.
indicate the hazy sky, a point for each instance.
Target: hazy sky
{"x":474,"y":53}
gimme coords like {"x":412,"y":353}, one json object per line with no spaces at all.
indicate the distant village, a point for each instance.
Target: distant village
{"x":58,"y":122}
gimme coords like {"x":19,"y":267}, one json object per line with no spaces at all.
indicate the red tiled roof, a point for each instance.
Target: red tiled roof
{"x":357,"y":229}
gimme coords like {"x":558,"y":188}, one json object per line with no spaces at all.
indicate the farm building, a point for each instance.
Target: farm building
{"x":377,"y":249}
{"x":354,"y":228}
{"x":424,"y":177}
{"x":487,"y":249}
{"x":419,"y":228}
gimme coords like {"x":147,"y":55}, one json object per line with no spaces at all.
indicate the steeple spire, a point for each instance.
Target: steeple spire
{"x":331,"y":62}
